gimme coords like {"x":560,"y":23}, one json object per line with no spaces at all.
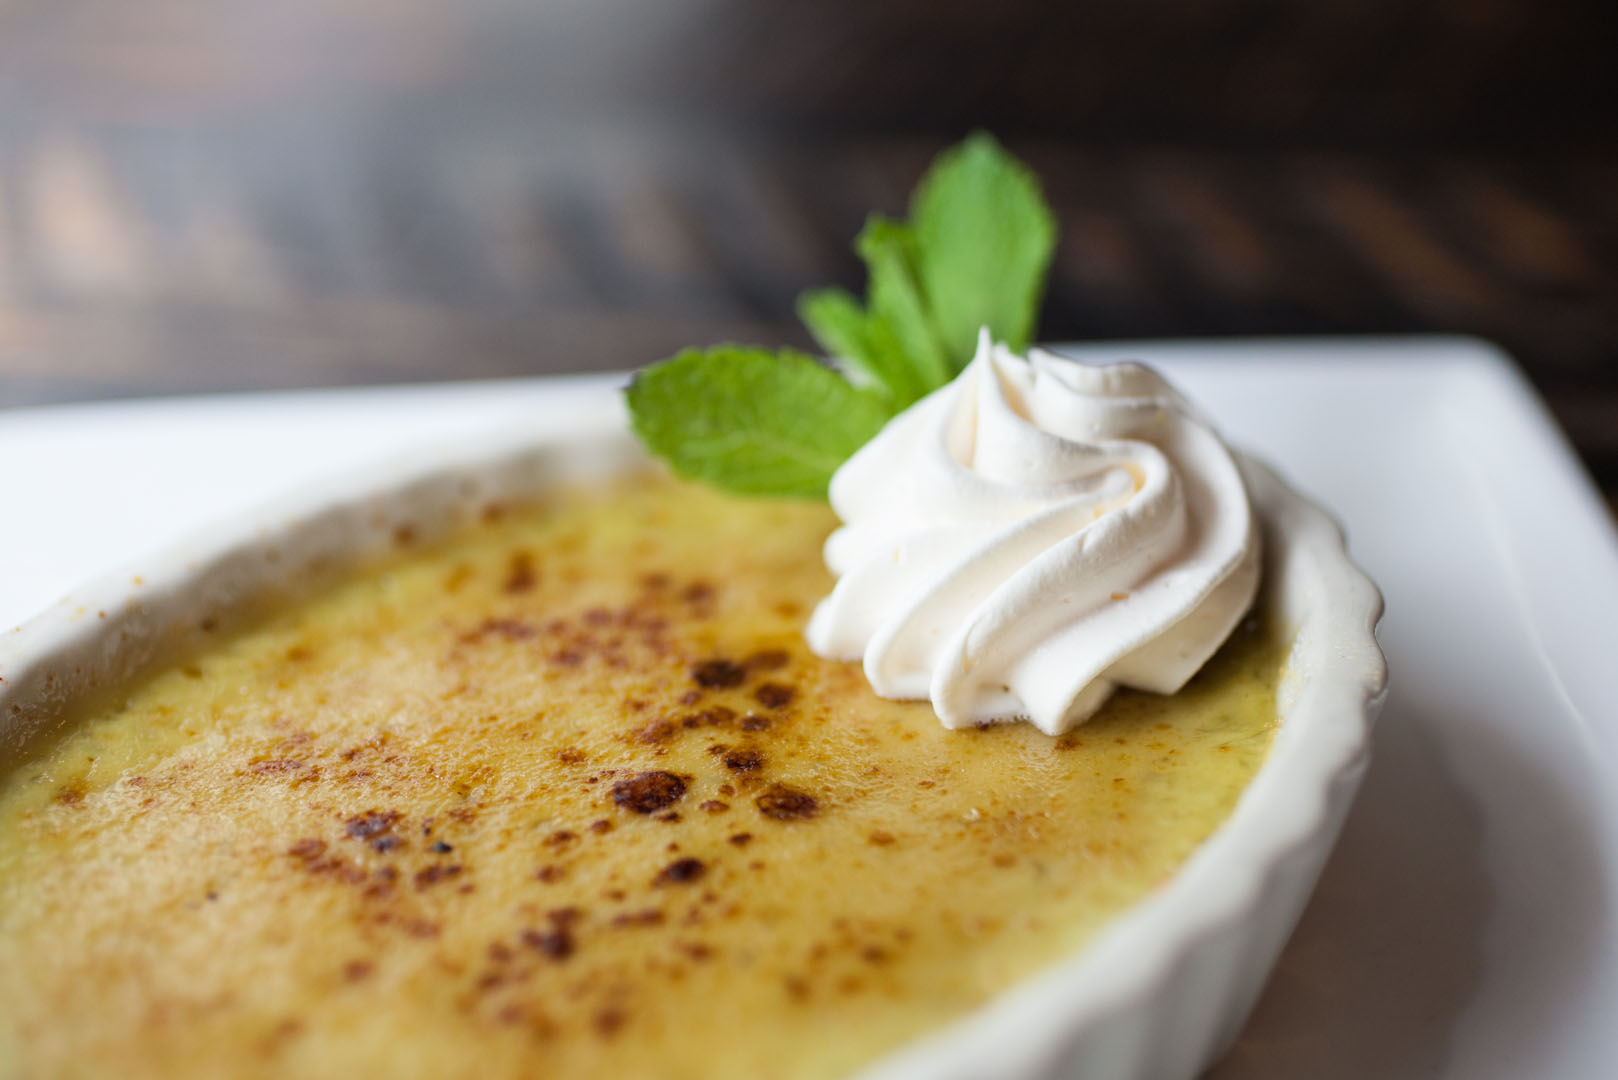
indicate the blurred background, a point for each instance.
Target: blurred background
{"x":206,"y":195}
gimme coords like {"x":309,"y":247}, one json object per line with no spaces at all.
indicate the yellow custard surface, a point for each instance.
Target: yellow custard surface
{"x":568,"y":796}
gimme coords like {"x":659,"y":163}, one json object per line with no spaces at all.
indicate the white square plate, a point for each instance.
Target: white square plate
{"x":1465,"y":926}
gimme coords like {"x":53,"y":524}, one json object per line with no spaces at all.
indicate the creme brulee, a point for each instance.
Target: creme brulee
{"x":569,"y":796}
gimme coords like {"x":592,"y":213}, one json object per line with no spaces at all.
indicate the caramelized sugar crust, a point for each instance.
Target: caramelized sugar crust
{"x":570,"y":797}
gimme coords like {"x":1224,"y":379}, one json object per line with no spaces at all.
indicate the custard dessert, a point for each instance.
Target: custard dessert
{"x":566,"y":796}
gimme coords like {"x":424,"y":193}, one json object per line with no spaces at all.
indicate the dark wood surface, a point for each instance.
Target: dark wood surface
{"x":233,"y":197}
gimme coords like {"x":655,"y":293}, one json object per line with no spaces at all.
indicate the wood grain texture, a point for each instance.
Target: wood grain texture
{"x":227,"y":197}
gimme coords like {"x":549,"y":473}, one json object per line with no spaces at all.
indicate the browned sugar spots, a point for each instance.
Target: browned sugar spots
{"x":276,"y":765}
{"x":774,"y":695}
{"x":657,"y":731}
{"x":70,"y":795}
{"x":371,"y":824}
{"x":510,"y":629}
{"x":680,"y":872}
{"x":648,"y":792}
{"x":768,"y":660}
{"x":744,"y":759}
{"x":555,"y":943}
{"x":520,"y":575}
{"x":432,"y":875}
{"x":647,"y":917}
{"x":307,"y":849}
{"x":718,"y":716}
{"x":608,"y":1021}
{"x":785,"y":803}
{"x":718,"y":673}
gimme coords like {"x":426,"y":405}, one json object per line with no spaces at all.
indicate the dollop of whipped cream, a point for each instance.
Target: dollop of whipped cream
{"x":1033,"y":535}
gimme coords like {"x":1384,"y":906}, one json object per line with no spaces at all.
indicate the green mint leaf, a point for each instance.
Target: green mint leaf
{"x":864,"y":341}
{"x":895,"y":295}
{"x":974,"y":253}
{"x":752,"y":421}
{"x":984,"y":239}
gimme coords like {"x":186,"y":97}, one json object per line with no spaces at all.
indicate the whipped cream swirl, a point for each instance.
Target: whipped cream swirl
{"x":1033,"y":535}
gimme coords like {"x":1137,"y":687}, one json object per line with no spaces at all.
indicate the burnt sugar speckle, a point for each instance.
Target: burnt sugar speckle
{"x":718,"y":673}
{"x":784,"y":802}
{"x":648,"y":792}
{"x":567,"y":795}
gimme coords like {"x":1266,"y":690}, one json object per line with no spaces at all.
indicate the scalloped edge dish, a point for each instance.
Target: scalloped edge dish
{"x":1159,"y":994}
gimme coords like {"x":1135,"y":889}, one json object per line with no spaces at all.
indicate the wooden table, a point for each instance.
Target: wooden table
{"x":337,"y":196}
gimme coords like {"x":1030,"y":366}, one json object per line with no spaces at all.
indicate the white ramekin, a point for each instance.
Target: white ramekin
{"x":1158,"y":995}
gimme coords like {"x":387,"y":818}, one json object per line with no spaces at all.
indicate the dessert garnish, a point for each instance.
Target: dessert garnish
{"x":1022,"y":535}
{"x":973,"y":254}
{"x":1034,"y":535}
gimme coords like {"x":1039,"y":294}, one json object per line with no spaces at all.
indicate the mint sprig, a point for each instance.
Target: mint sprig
{"x":974,"y":252}
{"x":752,"y":421}
{"x":984,"y":239}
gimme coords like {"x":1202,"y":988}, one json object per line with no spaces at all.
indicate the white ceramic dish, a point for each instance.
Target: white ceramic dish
{"x":1164,"y":989}
{"x":1158,"y":995}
